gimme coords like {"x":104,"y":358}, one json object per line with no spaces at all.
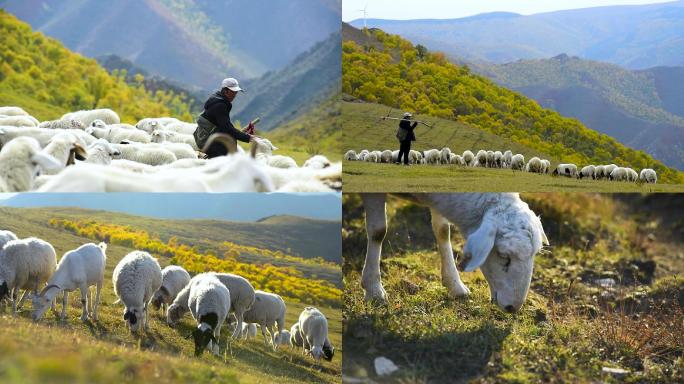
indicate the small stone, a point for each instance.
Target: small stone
{"x":605,"y":283}
{"x":409,"y":287}
{"x":617,"y":372}
{"x":385,"y":366}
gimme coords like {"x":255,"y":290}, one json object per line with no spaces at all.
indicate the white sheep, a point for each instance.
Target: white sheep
{"x":146,"y":154}
{"x":445,"y":155}
{"x":79,"y":268}
{"x":164,"y":135}
{"x":469,"y":158}
{"x":534,"y":165}
{"x":116,"y":134}
{"x":65,"y":148}
{"x":490,"y":159}
{"x":102,"y":152}
{"x":13,"y":111}
{"x":568,"y":170}
{"x":647,"y":175}
{"x":481,"y":158}
{"x":88,"y":116}
{"x":314,"y":328}
{"x":279,"y":161}
{"x":372,"y":157}
{"x":632,"y":175}
{"x":20,"y":161}
{"x":386,"y":156}
{"x":599,"y":172}
{"x":209,"y":302}
{"x":433,"y":156}
{"x":498,"y":159}
{"x":249,"y":331}
{"x":283,"y":338}
{"x":43,"y":135}
{"x":317,"y":162}
{"x":506,"y":160}
{"x":619,"y":174}
{"x":181,"y":127}
{"x":415,"y":157}
{"x":517,"y":162}
{"x":18,"y":121}
{"x":296,"y":337}
{"x":268,"y":309}
{"x":330,"y":177}
{"x":150,"y":124}
{"x":242,"y":297}
{"x":608,"y":169}
{"x":546,"y":166}
{"x":174,"y":279}
{"x":6,"y":236}
{"x":25,"y":264}
{"x":350,"y":155}
{"x":136,"y":278}
{"x":588,"y":171}
{"x":62,"y":124}
{"x":502,"y":237}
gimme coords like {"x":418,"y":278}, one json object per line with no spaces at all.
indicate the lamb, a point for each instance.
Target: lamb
{"x":19,"y":121}
{"x":268,"y":309}
{"x":314,"y":328}
{"x":150,"y":155}
{"x":469,"y":158}
{"x":79,"y":268}
{"x":296,"y":337}
{"x":234,"y":173}
{"x":25,"y":264}
{"x":6,"y":236}
{"x":433,"y":156}
{"x":242,"y":297}
{"x":569,"y":170}
{"x":445,"y":155}
{"x":88,"y":116}
{"x":249,"y":331}
{"x":415,"y":157}
{"x":386,"y":156}
{"x":283,"y":338}
{"x":102,"y":152}
{"x":351,"y":155}
{"x":535,"y":165}
{"x":498,"y":159}
{"x":174,"y":279}
{"x":317,"y":162}
{"x":589,"y":172}
{"x":64,"y":148}
{"x":647,"y":175}
{"x":499,"y":228}
{"x":481,"y":158}
{"x":161,"y":136}
{"x":62,"y":124}
{"x":20,"y":161}
{"x":136,"y":278}
{"x":456,"y":159}
{"x":13,"y":111}
{"x":209,"y":302}
{"x":517,"y":162}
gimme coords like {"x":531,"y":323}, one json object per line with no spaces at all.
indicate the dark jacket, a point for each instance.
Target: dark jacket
{"x":408,"y":127}
{"x":217,"y":110}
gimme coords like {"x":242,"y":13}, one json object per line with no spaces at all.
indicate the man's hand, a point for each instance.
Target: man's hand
{"x":250,"y":129}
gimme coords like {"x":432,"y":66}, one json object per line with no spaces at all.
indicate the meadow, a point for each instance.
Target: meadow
{"x":105,"y":351}
{"x":607,"y":294}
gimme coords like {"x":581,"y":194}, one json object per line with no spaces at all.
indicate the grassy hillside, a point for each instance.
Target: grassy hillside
{"x":364,"y":130}
{"x":38,"y":74}
{"x":571,"y":325}
{"x":106,"y":351}
{"x":403,"y":76}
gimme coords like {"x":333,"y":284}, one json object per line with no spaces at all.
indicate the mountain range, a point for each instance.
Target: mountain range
{"x":635,"y":36}
{"x":195,"y":42}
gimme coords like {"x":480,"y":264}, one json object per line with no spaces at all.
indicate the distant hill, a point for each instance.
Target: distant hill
{"x":635,"y":37}
{"x":197,"y":42}
{"x":434,"y":86}
{"x":641,"y":109}
{"x":280,"y":96}
{"x":40,"y":75}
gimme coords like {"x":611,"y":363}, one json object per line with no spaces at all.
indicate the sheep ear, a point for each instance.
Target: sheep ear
{"x":81,"y":153}
{"x":545,"y":240}
{"x":46,"y":162}
{"x":127,"y":315}
{"x":478,"y":245}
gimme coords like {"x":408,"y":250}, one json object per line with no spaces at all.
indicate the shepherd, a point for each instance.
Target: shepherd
{"x":406,"y":136}
{"x":216,"y":119}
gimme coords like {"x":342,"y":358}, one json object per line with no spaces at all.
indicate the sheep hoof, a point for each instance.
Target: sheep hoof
{"x":458,"y":290}
{"x":376,"y":293}
{"x":84,"y":318}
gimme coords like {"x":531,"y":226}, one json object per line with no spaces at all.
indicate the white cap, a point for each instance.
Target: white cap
{"x":407,"y":114}
{"x":231,"y":84}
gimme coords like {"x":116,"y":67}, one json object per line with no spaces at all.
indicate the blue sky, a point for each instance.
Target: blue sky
{"x":447,"y":9}
{"x":229,"y":207}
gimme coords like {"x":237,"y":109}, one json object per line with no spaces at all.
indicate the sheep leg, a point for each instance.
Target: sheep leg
{"x":64,"y":304}
{"x":147,"y":327}
{"x":263,"y":333}
{"x":84,"y":301}
{"x":450,"y":277}
{"x":272,"y":337}
{"x":217,"y":334}
{"x":237,"y":333}
{"x":14,"y":302}
{"x":376,"y":229}
{"x":97,"y":300}
{"x":23,"y":297}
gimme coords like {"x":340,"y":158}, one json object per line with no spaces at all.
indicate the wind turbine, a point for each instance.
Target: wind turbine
{"x":365,"y":14}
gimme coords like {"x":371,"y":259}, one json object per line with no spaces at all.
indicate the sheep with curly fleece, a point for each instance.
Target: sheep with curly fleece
{"x":502,"y":237}
{"x":648,"y":175}
{"x":136,"y":278}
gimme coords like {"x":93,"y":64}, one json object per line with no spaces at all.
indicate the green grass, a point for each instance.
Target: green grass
{"x":362,"y":129}
{"x":105,"y":351}
{"x":568,"y":329}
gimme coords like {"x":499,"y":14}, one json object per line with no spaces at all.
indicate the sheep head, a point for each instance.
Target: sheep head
{"x":4,"y":291}
{"x":173,"y":313}
{"x":132,"y":317}
{"x":328,"y":351}
{"x":503,"y":247}
{"x":160,"y":297}
{"x":202,"y":335}
{"x":43,"y":300}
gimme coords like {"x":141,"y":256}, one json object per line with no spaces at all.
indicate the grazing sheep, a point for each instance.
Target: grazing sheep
{"x":490,"y":159}
{"x":136,"y":278}
{"x":88,"y":116}
{"x":517,"y":162}
{"x":79,"y":268}
{"x":608,"y":169}
{"x":242,"y":297}
{"x":647,"y":175}
{"x":386,"y":156}
{"x":6,"y":236}
{"x":415,"y":157}
{"x":25,"y":264}
{"x":498,"y":159}
{"x":445,"y":155}
{"x":268,"y":309}
{"x":249,"y":331}
{"x":174,"y":279}
{"x":499,"y":228}
{"x":535,"y":165}
{"x":296,"y":337}
{"x":632,"y":175}
{"x":319,"y":162}
{"x":481,"y":158}
{"x":469,"y":158}
{"x":433,"y":156}
{"x":568,"y":170}
{"x":507,"y":157}
{"x":546,"y":166}
{"x":599,"y":172}
{"x":372,"y":157}
{"x":18,"y":121}
{"x":283,"y":338}
{"x":589,"y":172}
{"x":618,"y":174}
{"x":351,"y":155}
{"x":209,"y":302}
{"x":314,"y":328}
{"x":62,"y":124}
{"x":20,"y":161}
{"x":181,"y":128}
{"x":13,"y":111}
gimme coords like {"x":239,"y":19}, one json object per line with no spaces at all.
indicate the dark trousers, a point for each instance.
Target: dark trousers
{"x":404,"y":150}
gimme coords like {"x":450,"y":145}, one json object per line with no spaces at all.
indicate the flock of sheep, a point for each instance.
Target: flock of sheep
{"x":92,"y":151}
{"x":497,"y":159}
{"x":31,"y":264}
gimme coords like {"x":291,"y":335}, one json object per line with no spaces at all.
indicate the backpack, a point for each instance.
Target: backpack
{"x":205,"y":128}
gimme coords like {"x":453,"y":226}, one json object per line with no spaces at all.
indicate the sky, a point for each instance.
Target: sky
{"x":451,"y":9}
{"x":228,"y":207}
